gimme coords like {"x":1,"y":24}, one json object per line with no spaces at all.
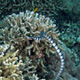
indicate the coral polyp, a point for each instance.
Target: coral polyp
{"x":26,"y":32}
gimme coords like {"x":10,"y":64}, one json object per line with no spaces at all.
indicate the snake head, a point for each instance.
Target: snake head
{"x":42,"y":34}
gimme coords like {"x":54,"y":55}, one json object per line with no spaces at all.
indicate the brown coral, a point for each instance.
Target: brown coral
{"x":9,"y":66}
{"x":22,"y":25}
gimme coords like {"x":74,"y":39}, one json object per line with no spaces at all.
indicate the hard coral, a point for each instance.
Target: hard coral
{"x":20,"y":27}
{"x":9,"y":68}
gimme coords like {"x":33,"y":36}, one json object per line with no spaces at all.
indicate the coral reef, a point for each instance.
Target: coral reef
{"x":66,"y":14}
{"x":70,"y":36}
{"x":9,"y":65}
{"x":72,"y":8}
{"x":19,"y":27}
{"x":71,"y":71}
{"x":28,"y":24}
{"x":8,"y":7}
{"x":42,"y":35}
{"x":68,"y":22}
{"x":13,"y":67}
{"x":64,"y":10}
{"x":45,"y":7}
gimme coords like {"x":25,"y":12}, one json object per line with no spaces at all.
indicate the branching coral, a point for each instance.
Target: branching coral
{"x":26,"y":46}
{"x":28,"y":24}
{"x":9,"y":66}
{"x":20,"y":27}
{"x":56,"y":47}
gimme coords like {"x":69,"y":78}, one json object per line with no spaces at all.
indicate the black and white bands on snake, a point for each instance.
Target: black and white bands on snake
{"x":43,"y":34}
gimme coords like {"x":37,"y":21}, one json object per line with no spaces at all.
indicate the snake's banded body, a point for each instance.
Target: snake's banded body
{"x":42,"y":35}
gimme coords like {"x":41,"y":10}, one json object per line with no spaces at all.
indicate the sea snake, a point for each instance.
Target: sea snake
{"x":43,"y":34}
